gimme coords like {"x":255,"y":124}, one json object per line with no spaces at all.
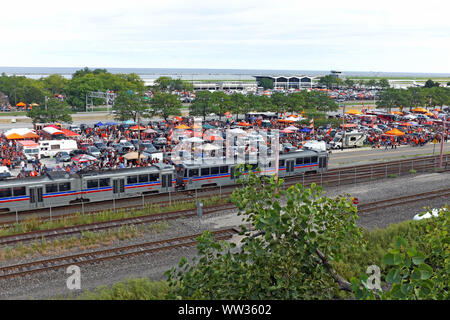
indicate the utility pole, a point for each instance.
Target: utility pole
{"x":139,"y":138}
{"x":442,"y":143}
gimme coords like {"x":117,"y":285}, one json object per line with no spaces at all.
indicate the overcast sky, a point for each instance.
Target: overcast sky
{"x":381,"y":35}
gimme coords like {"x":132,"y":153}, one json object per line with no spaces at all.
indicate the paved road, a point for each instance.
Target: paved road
{"x":367,"y":155}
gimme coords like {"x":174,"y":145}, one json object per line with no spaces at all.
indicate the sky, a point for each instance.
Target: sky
{"x":382,"y":35}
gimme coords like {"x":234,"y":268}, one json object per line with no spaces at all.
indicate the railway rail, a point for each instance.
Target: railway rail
{"x":19,"y":270}
{"x":333,"y":177}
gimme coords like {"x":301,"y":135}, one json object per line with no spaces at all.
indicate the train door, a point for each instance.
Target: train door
{"x":290,"y":167}
{"x":322,"y":163}
{"x":166,"y":182}
{"x":118,"y":187}
{"x":232,"y":173}
{"x":36,"y":197}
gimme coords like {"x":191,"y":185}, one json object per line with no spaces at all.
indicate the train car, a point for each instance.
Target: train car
{"x":208,"y":173}
{"x":302,"y":161}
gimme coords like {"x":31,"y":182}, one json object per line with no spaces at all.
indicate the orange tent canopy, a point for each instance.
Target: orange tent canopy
{"x":31,"y":135}
{"x":178,"y":118}
{"x":422,"y":110}
{"x":353,"y":111}
{"x":244,"y":124}
{"x":397,"y":112}
{"x":285,"y":120}
{"x":14,"y":136}
{"x":136,"y":127}
{"x":395,"y":132}
{"x":196,"y":126}
{"x":21,"y":104}
{"x":182,"y":126}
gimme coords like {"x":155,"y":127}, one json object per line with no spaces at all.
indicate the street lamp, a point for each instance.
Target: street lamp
{"x":442,"y":143}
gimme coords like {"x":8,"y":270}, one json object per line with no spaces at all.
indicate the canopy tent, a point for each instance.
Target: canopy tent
{"x":406,"y":124}
{"x":353,"y":112}
{"x":348,"y":125}
{"x":292,"y":128}
{"x":395,"y":132}
{"x":194,"y":140}
{"x":237,"y":131}
{"x":150,"y":130}
{"x":208,"y":126}
{"x":286,"y":131}
{"x":182,"y":126}
{"x":305,"y":130}
{"x":208,"y":147}
{"x":111,"y":123}
{"x":30,"y":135}
{"x":177,"y":118}
{"x":134,"y":156}
{"x":83,"y":158}
{"x":99,"y":124}
{"x":128,"y":122}
{"x":136,"y":127}
{"x":244,"y":124}
{"x":213,"y":138}
{"x":21,"y":104}
{"x":69,"y":133}
{"x":398,"y":112}
{"x":421,"y":110}
{"x":196,"y":126}
{"x":285,"y":120}
{"x":14,"y":136}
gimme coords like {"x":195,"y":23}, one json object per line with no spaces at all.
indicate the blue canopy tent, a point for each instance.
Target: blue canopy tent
{"x":99,"y":124}
{"x":111,"y":123}
{"x":305,"y":130}
{"x":129,"y":122}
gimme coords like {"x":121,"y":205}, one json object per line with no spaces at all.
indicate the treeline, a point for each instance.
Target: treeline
{"x":426,"y":97}
{"x":218,"y":102}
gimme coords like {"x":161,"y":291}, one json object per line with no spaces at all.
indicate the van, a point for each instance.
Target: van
{"x":29,"y":148}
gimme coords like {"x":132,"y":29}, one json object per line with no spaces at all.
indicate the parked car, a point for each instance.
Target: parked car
{"x":127,"y":144}
{"x":63,"y":156}
{"x":100,"y":145}
{"x":148,"y":147}
{"x":75,"y":128}
{"x":161,"y":141}
{"x":93,"y":151}
{"x":121,"y":149}
{"x":76,"y":152}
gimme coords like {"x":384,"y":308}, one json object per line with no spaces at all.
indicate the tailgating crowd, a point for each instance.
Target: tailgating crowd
{"x":415,"y":135}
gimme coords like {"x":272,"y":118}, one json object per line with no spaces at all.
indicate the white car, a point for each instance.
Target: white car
{"x":433,"y":213}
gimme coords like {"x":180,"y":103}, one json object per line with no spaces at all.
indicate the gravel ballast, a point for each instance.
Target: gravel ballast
{"x":53,"y":284}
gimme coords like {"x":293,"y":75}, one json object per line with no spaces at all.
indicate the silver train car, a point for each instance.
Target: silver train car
{"x":216,"y":172}
{"x":61,"y":188}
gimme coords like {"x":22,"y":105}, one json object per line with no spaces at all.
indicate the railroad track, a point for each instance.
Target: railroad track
{"x":33,"y":267}
{"x":104,"y":225}
{"x":333,"y":177}
{"x":383,"y":204}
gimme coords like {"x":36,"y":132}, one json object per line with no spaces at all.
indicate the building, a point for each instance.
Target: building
{"x":336,"y":74}
{"x":287,"y":82}
{"x":224,"y":85}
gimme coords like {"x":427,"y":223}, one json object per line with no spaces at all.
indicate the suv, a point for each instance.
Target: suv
{"x":100,"y":145}
{"x":75,"y":128}
{"x":93,"y":151}
{"x":62,"y":156}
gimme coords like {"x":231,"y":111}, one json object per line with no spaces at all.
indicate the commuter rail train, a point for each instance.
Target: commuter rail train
{"x":59,"y":188}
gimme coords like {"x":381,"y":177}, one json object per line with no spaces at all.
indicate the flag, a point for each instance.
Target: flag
{"x":329,"y":131}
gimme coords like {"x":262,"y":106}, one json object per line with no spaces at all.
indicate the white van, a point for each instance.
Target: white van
{"x":49,"y":148}
{"x":29,"y":148}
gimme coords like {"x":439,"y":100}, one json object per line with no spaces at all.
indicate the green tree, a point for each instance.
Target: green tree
{"x":349,"y":82}
{"x":319,"y":101}
{"x":165,"y":105}
{"x":203,"y":104}
{"x":130,"y":105}
{"x":416,"y":97}
{"x":278,"y":100}
{"x":289,"y":254}
{"x":384,"y":83}
{"x":266,"y":83}
{"x":329,"y":81}
{"x":431,"y":84}
{"x":221,"y":102}
{"x":392,"y":98}
{"x":54,"y":83}
{"x":163,"y":82}
{"x":295,"y":102}
{"x":239,"y":103}
{"x":54,"y":111}
{"x":372,"y":83}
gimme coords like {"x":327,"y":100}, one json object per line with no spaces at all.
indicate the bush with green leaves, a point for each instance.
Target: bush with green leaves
{"x":287,"y":256}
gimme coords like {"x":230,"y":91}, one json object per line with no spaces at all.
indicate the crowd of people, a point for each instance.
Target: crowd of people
{"x":110,"y":158}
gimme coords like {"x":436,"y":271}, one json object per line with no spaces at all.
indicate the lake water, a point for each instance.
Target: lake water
{"x":205,"y":74}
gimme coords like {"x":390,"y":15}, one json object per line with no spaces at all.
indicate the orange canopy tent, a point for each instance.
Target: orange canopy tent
{"x":244,"y":124}
{"x":196,"y":126}
{"x":182,"y":126}
{"x":285,"y":120}
{"x":136,"y":127}
{"x":348,"y":125}
{"x":21,"y":104}
{"x":395,"y":132}
{"x":213,"y":138}
{"x":422,"y":110}
{"x":178,"y":118}
{"x":14,"y":136}
{"x":406,"y":124}
{"x":354,"y":112}
{"x":31,"y":135}
{"x":397,"y":112}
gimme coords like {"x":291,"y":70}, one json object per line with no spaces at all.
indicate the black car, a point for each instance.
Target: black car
{"x":148,"y":147}
{"x":76,"y":152}
{"x":63,"y":156}
{"x":100,"y":145}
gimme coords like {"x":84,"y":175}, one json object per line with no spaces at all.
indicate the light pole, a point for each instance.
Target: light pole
{"x":442,"y":144}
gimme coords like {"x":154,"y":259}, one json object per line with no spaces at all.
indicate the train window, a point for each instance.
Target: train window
{"x":5,"y":192}
{"x":154,"y":176}
{"x":314,"y":159}
{"x":19,"y":191}
{"x":51,"y":188}
{"x":281,"y":163}
{"x":299,"y":161}
{"x":193,"y":173}
{"x":65,"y":186}
{"x":143,"y":178}
{"x":92,"y":183}
{"x":215,"y":170}
{"x":307,"y":160}
{"x":104,"y":182}
{"x":205,"y":171}
{"x":224,"y":169}
{"x":132,"y":179}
